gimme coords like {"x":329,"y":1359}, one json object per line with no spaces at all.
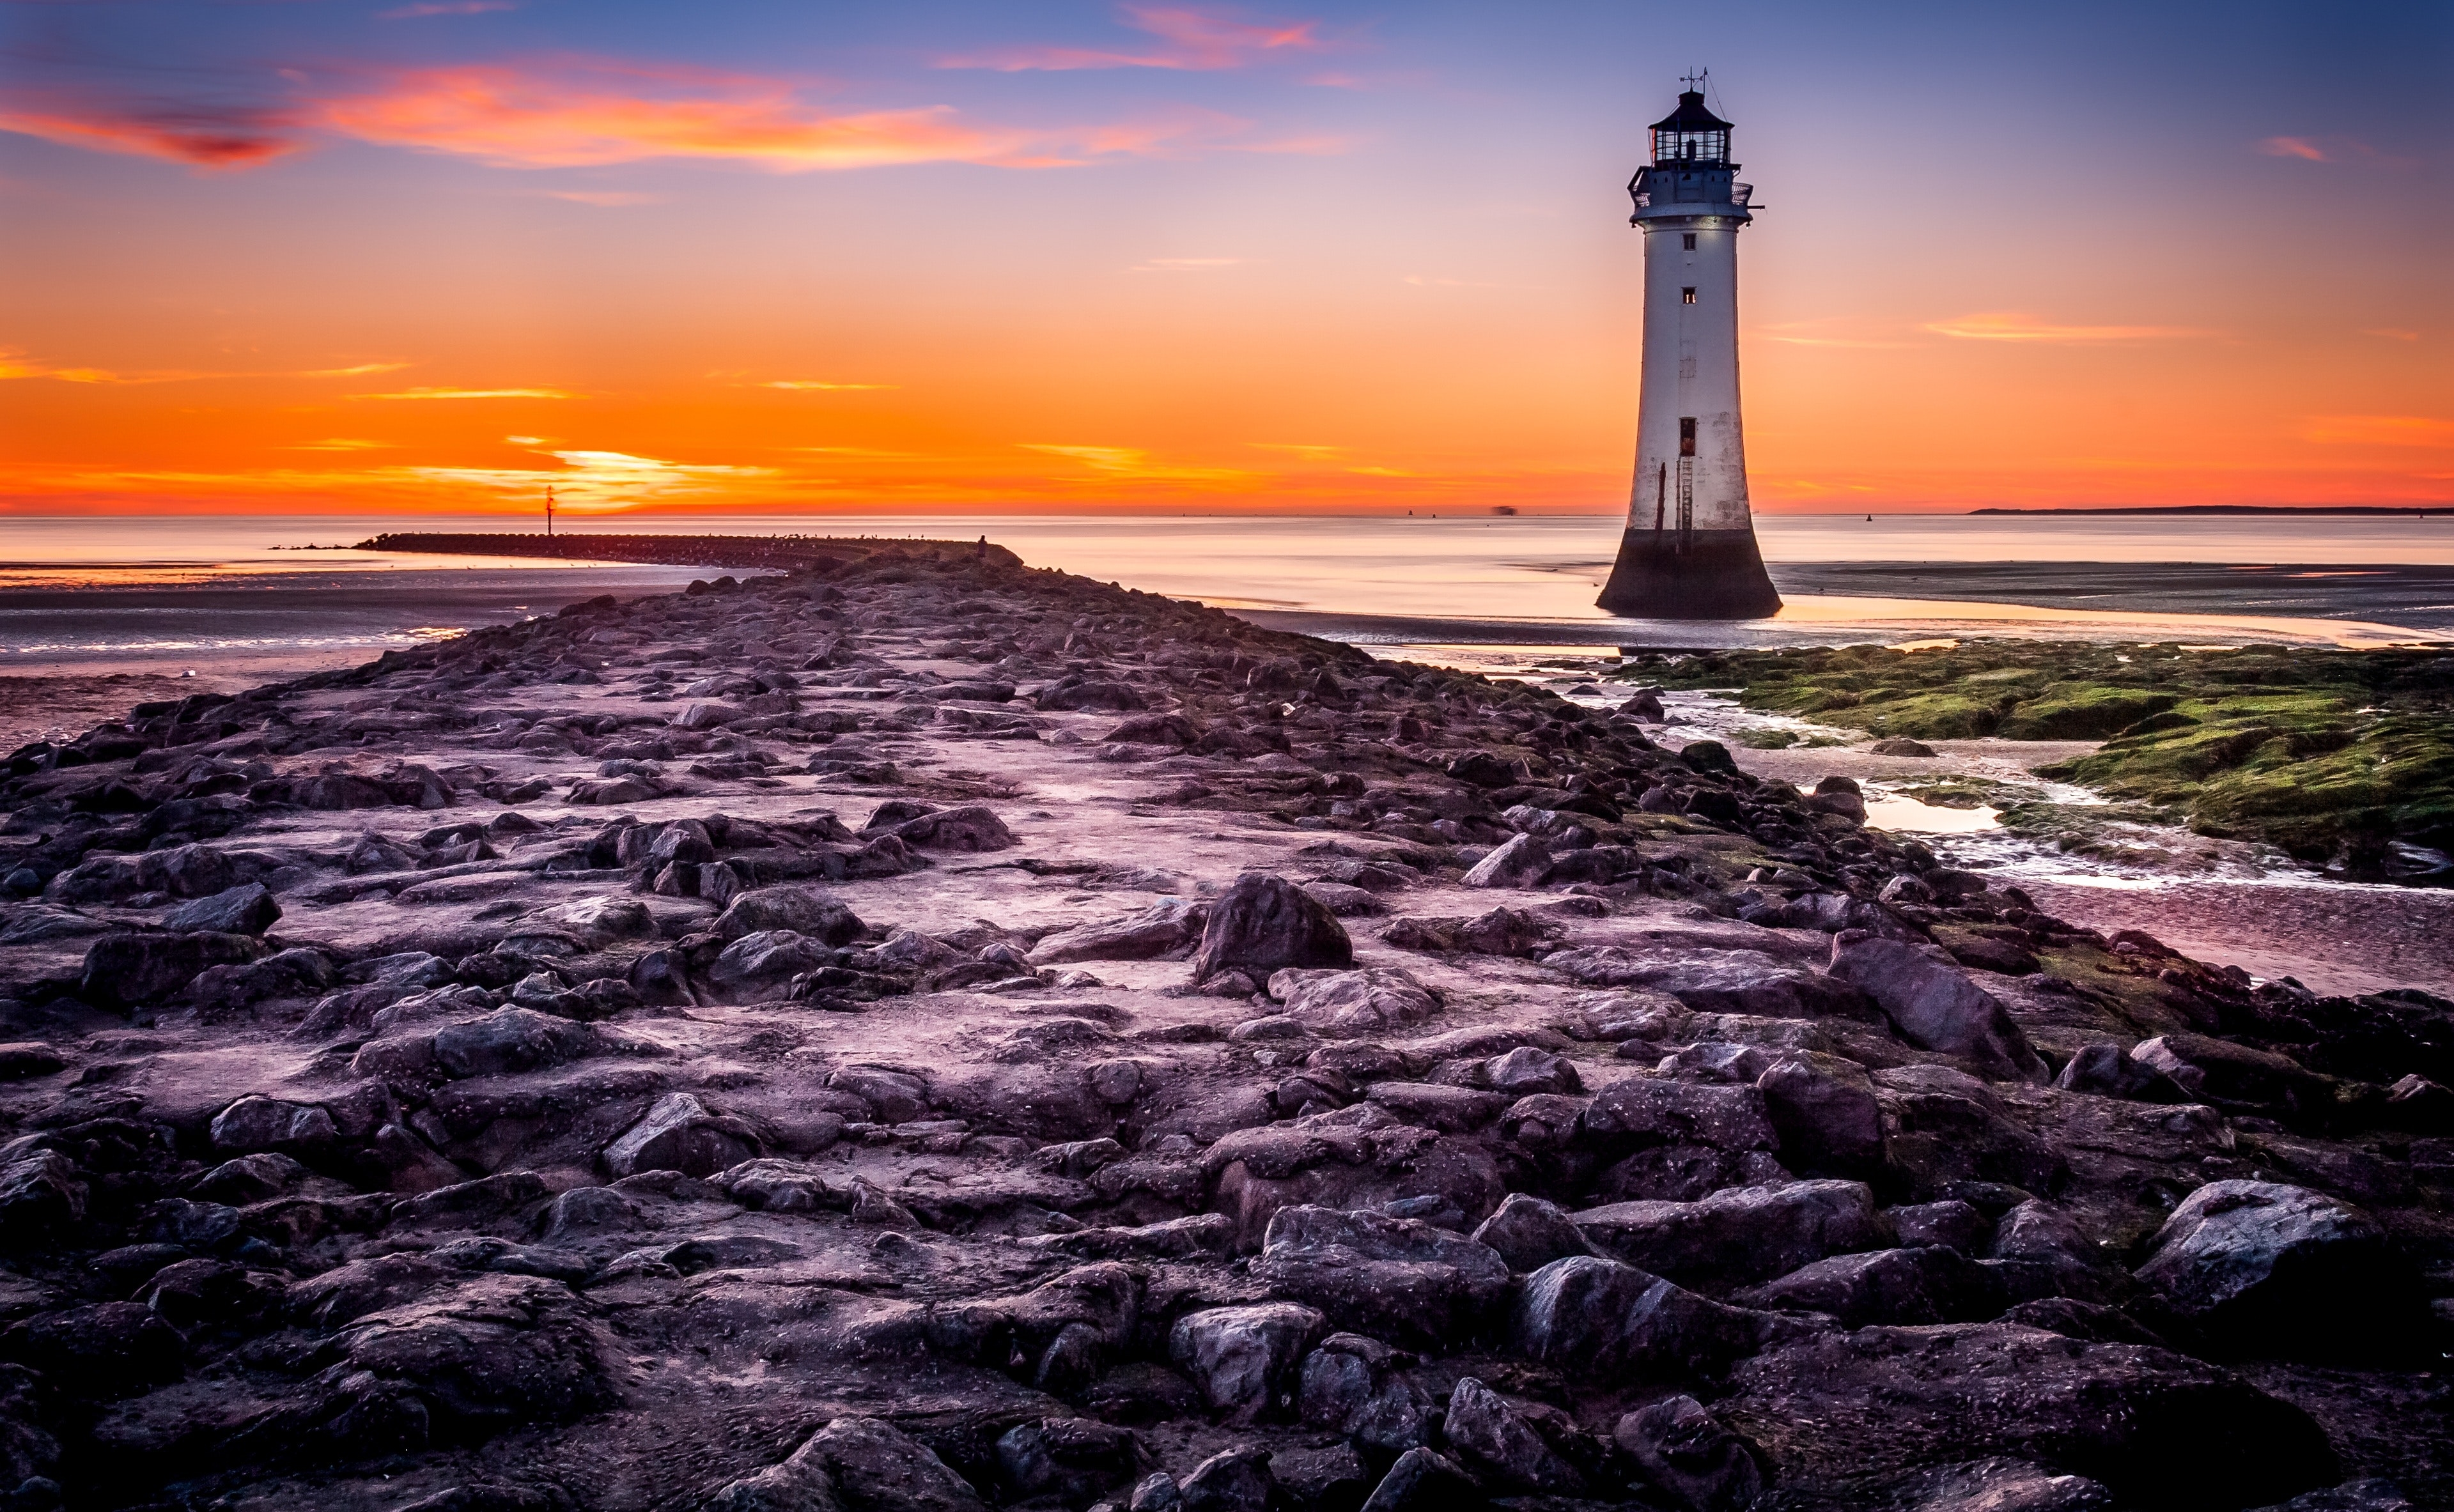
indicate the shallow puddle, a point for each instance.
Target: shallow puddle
{"x":1907,"y":816}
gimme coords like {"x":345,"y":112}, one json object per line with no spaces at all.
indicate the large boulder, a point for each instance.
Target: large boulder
{"x":128,"y":970}
{"x":1493,"y":1436}
{"x":1741,"y":1235}
{"x":265,"y":1124}
{"x":2225,"y":1075}
{"x":1711,"y":980}
{"x":971,"y":827}
{"x":1841,"y":1415}
{"x":1826,"y":1114}
{"x":1262,"y":924}
{"x":248,"y":908}
{"x":513,"y":1040}
{"x":1642,"y":1111}
{"x":1688,"y":1452}
{"x":1347,"y":1005}
{"x":805,"y":911}
{"x":2261,"y":1268}
{"x":1933,"y":1005}
{"x":1171,"y":924}
{"x":1919,"y":1284}
{"x":876,"y":1467}
{"x":1243,"y":1360}
{"x":1590,"y":1315}
{"x":1383,"y":1276}
{"x":679,"y":1134}
{"x":1522,"y":861}
{"x":1357,"y":1385}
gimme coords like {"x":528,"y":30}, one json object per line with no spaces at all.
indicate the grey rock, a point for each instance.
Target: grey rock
{"x":1690,"y":1454}
{"x":1380,"y":1275}
{"x":1244,"y":1360}
{"x":1422,"y":1480}
{"x":1483,"y":1428}
{"x":1349,"y":1004}
{"x":1826,"y":1114}
{"x":1926,"y":1284}
{"x":1643,"y":1110}
{"x":1589,"y":1314}
{"x":1232,"y":1481}
{"x":1744,"y":1234}
{"x":2265,"y":1268}
{"x":1170,"y":925}
{"x":876,"y":1467}
{"x":1264,"y":923}
{"x":248,"y":908}
{"x":1529,"y":1233}
{"x":679,"y":1134}
{"x":1933,"y":1005}
{"x":262,"y":1124}
{"x":804,"y":911}
{"x":1522,"y":861}
{"x":1357,"y":1385}
{"x":2107,"y":1070}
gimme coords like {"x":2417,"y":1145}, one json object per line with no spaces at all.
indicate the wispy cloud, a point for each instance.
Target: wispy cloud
{"x":2016,"y":328}
{"x":1829,"y":332}
{"x":197,"y":135}
{"x":470,"y":393}
{"x":1308,"y":451}
{"x":1188,"y":39}
{"x":822,"y":385}
{"x":2379,"y":431}
{"x":589,"y":112}
{"x":343,"y":444}
{"x":603,"y":199}
{"x":589,"y":480}
{"x":1185,"y":265}
{"x":444,"y":8}
{"x":2299,"y":146}
{"x":1125,"y":464}
{"x":18,"y":364}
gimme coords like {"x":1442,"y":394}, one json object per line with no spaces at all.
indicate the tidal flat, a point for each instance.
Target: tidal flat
{"x":926,"y":1032}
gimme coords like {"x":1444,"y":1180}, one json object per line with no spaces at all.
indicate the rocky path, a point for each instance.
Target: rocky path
{"x":932,"y":1034}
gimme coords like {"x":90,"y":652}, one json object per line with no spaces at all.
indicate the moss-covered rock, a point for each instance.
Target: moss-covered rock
{"x":2329,"y":754}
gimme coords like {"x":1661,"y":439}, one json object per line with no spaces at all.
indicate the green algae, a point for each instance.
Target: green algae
{"x":2328,"y":754}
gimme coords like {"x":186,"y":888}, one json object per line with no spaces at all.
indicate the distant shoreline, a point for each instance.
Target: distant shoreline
{"x":2239,"y":508}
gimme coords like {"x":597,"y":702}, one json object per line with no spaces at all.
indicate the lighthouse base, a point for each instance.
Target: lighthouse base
{"x":1719,"y":576}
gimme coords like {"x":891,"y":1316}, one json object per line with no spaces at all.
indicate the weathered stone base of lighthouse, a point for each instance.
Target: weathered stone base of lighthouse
{"x":1702,"y":575}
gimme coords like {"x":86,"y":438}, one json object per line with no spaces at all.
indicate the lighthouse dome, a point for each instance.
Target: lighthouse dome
{"x":1691,"y":134}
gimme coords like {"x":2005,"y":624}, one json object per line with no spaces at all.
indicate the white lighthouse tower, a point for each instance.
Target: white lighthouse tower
{"x":1690,"y":550}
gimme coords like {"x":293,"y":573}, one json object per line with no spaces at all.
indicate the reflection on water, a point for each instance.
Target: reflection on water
{"x":1909,"y":816}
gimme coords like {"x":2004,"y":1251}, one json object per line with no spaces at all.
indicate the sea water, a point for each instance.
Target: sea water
{"x":78,"y":589}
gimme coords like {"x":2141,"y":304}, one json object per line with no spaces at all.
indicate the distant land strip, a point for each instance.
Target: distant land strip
{"x":2241,"y":509}
{"x":772,"y":553}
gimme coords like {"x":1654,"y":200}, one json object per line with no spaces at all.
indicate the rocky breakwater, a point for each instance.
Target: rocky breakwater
{"x":927,"y":1033}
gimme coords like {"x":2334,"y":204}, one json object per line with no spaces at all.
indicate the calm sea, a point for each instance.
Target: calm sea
{"x":78,"y":590}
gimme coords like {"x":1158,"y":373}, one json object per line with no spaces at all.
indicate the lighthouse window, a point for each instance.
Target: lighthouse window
{"x":1687,"y":296}
{"x":1686,"y":435}
{"x":1688,"y":241}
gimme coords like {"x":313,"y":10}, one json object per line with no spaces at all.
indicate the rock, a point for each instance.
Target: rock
{"x":1835,"y":1413}
{"x":1826,"y":1115}
{"x":2107,"y":1070}
{"x":1743,"y":1234}
{"x":1075,"y":1459}
{"x":102,"y":1352}
{"x":1522,"y":861}
{"x":1901,"y":747}
{"x":1932,"y":1005}
{"x":1687,"y":1452}
{"x":804,"y":911}
{"x":2261,"y":1268}
{"x":1230,"y":1480}
{"x":1346,"y":1005}
{"x":1244,"y":1361}
{"x":262,"y":1124}
{"x":679,"y":1134}
{"x":1587,"y":1314}
{"x":1918,"y":1286}
{"x":2234,"y":1075}
{"x":1642,"y":1111}
{"x":1716,"y":981}
{"x":897,"y":1097}
{"x":1529,"y":1233}
{"x":1263,"y":923}
{"x":766,"y":959}
{"x":1483,"y":769}
{"x":1999,"y":1484}
{"x":1170,"y":925}
{"x":513,"y":1040}
{"x":1421,"y":1480}
{"x":1354,"y":1385}
{"x":876,"y":1467}
{"x":127,"y":970}
{"x":1487,"y":1433}
{"x":1951,"y":1224}
{"x":40,"y":1197}
{"x":21,"y":1060}
{"x":248,"y":908}
{"x":1378,"y":1275}
{"x":969,"y":828}
{"x":797,"y":1484}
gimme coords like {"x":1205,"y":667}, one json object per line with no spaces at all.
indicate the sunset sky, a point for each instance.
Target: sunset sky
{"x":746,"y":256}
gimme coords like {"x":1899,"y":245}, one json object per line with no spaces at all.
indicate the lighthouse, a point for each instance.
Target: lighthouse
{"x":1689,"y":552}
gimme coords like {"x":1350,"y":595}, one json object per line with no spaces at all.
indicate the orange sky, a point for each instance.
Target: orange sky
{"x":1185,"y":259}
